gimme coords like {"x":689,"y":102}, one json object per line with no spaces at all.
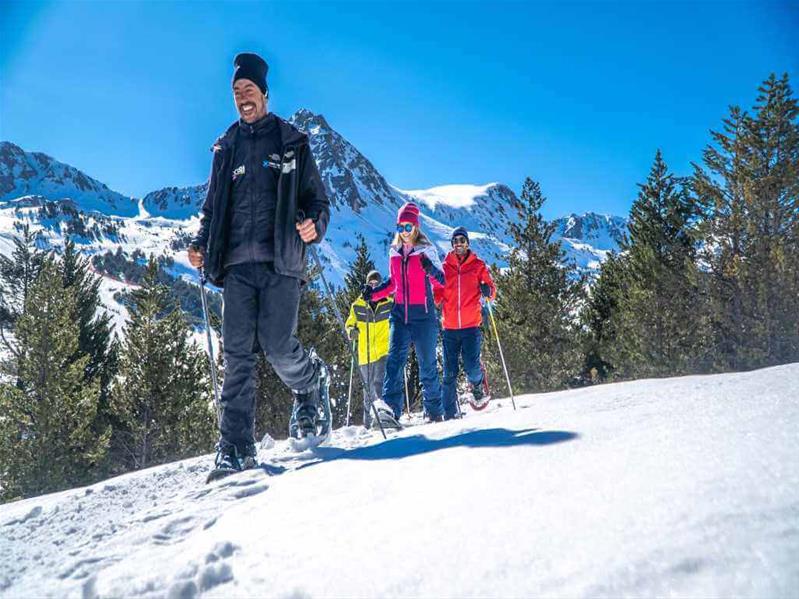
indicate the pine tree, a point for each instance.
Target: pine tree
{"x":163,"y":391}
{"x":17,"y":274}
{"x":355,"y":278}
{"x":749,"y":192}
{"x":538,"y":299}
{"x":599,"y":318}
{"x":657,"y":322}
{"x":47,"y":436}
{"x":94,"y":323}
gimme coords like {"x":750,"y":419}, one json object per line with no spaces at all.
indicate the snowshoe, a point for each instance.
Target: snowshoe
{"x":430,"y":419}
{"x":478,"y":397}
{"x":311,"y":418}
{"x":230,"y":460}
{"x":386,"y":416}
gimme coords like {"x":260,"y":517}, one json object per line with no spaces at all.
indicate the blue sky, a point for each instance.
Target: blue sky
{"x":576,"y":95}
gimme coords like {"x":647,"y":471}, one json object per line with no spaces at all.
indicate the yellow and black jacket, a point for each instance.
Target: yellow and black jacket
{"x":372,"y":327}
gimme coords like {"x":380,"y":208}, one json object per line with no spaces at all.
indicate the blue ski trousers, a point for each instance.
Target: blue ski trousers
{"x":424,"y":335}
{"x":465,"y":343}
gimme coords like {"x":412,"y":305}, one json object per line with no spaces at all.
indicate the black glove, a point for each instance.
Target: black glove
{"x":354,"y":332}
{"x":427,"y":264}
{"x":485,"y":289}
{"x":366,"y":293}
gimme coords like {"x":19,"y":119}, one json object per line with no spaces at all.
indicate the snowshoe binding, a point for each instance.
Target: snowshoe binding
{"x":311,"y":418}
{"x":477,"y":396}
{"x":386,"y":416}
{"x":232,"y":460}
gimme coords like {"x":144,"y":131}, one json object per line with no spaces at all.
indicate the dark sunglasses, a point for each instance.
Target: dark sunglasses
{"x":459,"y":239}
{"x":407,"y":228}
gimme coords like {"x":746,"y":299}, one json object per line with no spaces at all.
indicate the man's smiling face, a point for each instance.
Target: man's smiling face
{"x":250,"y":102}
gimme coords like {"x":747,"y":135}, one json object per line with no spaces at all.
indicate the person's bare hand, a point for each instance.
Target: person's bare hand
{"x":307,"y":230}
{"x":196,"y":256}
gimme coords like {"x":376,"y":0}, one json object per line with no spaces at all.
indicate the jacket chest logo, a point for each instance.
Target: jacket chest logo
{"x":289,"y":162}
{"x":285,"y":165}
{"x":273,"y":161}
{"x":239,"y":172}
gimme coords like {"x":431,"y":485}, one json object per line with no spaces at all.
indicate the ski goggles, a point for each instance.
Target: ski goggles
{"x":406,"y":228}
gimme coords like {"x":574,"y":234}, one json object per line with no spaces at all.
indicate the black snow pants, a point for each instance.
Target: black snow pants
{"x":261,"y":305}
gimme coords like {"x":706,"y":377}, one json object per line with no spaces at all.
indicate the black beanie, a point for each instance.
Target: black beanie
{"x":251,"y":66}
{"x":459,"y":231}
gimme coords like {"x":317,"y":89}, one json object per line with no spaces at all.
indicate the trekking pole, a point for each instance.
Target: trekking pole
{"x":407,"y":397}
{"x":337,"y":312}
{"x":501,"y":356}
{"x":211,"y":361}
{"x":349,"y":391}
{"x":458,"y":399}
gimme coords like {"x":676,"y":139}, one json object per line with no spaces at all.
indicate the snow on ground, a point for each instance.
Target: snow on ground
{"x":674,"y":487}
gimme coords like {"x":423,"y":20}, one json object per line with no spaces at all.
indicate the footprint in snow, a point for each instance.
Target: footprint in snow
{"x":174,"y":531}
{"x":195,"y":579}
{"x":31,"y":515}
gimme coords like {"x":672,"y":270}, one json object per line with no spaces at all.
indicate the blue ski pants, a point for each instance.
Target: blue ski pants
{"x":465,"y":343}
{"x":423,"y":333}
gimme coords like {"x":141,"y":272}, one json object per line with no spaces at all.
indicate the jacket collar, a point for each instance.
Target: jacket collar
{"x":452,"y":258}
{"x":417,"y":249}
{"x":290,"y":136}
{"x":362,"y":302}
{"x":262,"y":125}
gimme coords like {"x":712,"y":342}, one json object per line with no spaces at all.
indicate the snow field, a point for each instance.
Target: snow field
{"x":672,"y":487}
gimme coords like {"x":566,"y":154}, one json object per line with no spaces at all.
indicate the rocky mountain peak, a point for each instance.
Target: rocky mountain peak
{"x":309,"y":122}
{"x":34,"y":173}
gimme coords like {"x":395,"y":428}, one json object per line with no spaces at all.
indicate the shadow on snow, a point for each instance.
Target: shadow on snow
{"x":404,"y":447}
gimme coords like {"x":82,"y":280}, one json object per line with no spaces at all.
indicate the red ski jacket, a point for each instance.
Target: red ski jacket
{"x":460,"y":297}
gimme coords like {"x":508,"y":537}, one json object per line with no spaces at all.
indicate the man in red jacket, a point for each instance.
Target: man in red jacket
{"x":467,"y":279}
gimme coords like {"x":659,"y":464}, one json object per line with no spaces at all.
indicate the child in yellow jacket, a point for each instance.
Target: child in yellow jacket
{"x":368,"y":324}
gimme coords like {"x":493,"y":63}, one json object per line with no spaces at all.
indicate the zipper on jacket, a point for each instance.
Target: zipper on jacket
{"x":405,"y":284}
{"x":425,"y":291}
{"x":459,"y":296}
{"x":369,"y":346}
{"x":252,"y":194}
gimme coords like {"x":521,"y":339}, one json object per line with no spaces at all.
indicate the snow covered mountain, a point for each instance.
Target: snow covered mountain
{"x":177,"y":203}
{"x":681,"y":487}
{"x":35,"y":174}
{"x":588,"y":238}
{"x":58,"y":200}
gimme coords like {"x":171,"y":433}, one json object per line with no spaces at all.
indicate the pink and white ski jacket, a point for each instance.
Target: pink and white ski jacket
{"x":410,"y":284}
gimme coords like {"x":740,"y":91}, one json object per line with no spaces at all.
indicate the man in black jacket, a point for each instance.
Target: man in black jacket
{"x":251,"y":242}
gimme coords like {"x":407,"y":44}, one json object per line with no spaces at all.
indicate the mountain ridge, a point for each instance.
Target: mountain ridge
{"x":362,"y":201}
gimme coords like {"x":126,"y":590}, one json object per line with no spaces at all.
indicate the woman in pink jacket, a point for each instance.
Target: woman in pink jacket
{"x":415,"y":270}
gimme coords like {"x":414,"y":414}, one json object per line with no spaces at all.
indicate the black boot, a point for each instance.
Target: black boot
{"x":479,"y":396}
{"x":230,"y":457}
{"x":477,"y":392}
{"x":306,"y":409}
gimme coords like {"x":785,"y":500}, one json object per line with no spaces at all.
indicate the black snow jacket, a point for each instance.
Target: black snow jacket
{"x":299,"y":188}
{"x":253,"y":195}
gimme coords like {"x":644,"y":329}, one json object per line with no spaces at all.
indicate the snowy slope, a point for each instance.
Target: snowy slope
{"x":683,"y":487}
{"x":33,"y":173}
